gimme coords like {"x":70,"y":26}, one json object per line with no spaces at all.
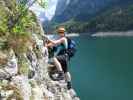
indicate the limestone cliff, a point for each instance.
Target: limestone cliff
{"x":24,"y":70}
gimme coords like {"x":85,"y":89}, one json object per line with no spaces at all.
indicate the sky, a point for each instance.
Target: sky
{"x":47,"y":13}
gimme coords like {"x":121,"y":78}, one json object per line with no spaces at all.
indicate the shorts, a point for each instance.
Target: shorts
{"x":63,"y":59}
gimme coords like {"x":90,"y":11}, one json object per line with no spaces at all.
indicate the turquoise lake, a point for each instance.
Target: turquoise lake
{"x":102,"y":68}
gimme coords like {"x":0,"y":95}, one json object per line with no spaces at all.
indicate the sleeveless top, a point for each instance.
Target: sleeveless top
{"x":60,"y":47}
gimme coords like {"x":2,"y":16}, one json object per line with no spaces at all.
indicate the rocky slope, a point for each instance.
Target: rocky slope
{"x":24,"y":68}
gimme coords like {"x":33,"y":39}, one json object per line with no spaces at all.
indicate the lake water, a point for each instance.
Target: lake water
{"x":102,"y":68}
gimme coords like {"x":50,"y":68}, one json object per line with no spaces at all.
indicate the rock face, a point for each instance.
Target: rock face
{"x":24,"y":75}
{"x":24,"y":69}
{"x":16,"y":85}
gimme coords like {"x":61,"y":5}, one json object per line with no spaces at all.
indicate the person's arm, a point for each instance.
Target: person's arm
{"x":55,"y":42}
{"x":49,"y":45}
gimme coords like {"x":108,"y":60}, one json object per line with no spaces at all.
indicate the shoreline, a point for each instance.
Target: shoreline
{"x":113,"y":34}
{"x":100,"y":34}
{"x":73,"y":35}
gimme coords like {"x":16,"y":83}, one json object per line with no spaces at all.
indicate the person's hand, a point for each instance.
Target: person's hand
{"x":46,"y":45}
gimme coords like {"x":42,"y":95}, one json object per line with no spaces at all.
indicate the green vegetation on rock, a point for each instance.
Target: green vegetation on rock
{"x":16,"y":26}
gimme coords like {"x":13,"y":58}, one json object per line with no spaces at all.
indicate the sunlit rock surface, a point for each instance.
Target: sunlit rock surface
{"x":40,"y":86}
{"x":25,"y":76}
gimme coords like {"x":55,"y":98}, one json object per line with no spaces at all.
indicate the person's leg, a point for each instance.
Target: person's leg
{"x":68,"y":76}
{"x":57,"y":64}
{"x":68,"y":80}
{"x":59,"y":68}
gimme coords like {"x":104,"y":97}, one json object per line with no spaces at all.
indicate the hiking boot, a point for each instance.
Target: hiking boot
{"x":60,"y":76}
{"x":57,"y":76}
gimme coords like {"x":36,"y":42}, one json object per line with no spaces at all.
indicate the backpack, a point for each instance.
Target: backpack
{"x":71,"y":47}
{"x":71,"y":50}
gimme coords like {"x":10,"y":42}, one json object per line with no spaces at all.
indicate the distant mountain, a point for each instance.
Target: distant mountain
{"x":82,"y":10}
{"x":78,"y":8}
{"x":77,"y":15}
{"x":61,"y":6}
{"x":115,"y":19}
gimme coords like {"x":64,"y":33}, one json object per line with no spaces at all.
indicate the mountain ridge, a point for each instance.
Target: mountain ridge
{"x":79,"y":14}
